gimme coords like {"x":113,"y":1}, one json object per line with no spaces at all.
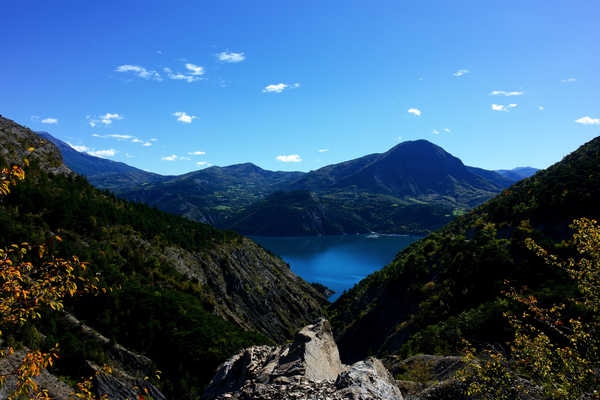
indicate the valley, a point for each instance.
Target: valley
{"x":414,"y":188}
{"x":204,"y":284}
{"x":299,"y":200}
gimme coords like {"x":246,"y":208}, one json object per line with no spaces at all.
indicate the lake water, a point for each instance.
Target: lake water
{"x":337,"y":262}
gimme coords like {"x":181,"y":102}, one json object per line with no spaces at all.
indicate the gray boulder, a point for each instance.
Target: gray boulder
{"x":308,"y":368}
{"x":367,"y":379}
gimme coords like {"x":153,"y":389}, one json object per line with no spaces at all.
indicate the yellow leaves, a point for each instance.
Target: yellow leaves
{"x":559,"y":355}
{"x":30,"y":149}
{"x":32,"y":279}
{"x":9,"y":177}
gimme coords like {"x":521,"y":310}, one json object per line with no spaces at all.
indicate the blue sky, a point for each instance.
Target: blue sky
{"x":497,"y":84}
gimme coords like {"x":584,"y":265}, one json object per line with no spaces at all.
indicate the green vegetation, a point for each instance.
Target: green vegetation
{"x":153,"y":309}
{"x":556,"y":348}
{"x":448,"y":285}
{"x":305,"y":213}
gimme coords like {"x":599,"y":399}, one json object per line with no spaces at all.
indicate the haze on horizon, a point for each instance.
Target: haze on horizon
{"x":174,"y":88}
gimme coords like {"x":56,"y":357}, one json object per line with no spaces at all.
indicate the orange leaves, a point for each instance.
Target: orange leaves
{"x":10,"y":177}
{"x":30,"y":367}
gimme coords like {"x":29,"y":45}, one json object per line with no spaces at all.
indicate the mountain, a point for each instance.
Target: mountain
{"x":211,"y":195}
{"x":186,"y":295}
{"x":416,"y":169}
{"x":518,"y":173}
{"x":301,"y":212}
{"x":415,"y":187}
{"x":100,"y":172}
{"x":448,"y":285}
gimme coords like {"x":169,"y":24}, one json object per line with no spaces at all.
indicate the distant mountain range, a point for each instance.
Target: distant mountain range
{"x":414,"y":187}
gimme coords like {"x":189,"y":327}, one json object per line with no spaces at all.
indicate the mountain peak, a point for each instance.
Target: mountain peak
{"x":419,"y":146}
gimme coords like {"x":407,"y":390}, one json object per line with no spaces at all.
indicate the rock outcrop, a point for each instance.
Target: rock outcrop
{"x":129,"y":369}
{"x":18,"y":143}
{"x":56,"y":388}
{"x":310,"y":367}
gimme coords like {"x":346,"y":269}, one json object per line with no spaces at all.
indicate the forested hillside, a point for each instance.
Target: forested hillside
{"x":448,"y":286}
{"x":184,"y":294}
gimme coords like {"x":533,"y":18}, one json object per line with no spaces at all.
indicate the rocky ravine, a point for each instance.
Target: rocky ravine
{"x":308,"y":368}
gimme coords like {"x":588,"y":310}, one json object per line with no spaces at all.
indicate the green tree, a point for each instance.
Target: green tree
{"x":556,"y":349}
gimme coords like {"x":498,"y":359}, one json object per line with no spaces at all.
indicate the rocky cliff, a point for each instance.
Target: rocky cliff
{"x":310,"y":367}
{"x":17,"y":142}
{"x":246,"y":285}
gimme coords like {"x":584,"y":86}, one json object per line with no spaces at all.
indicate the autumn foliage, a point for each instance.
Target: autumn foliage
{"x":32,"y":279}
{"x":555,"y":353}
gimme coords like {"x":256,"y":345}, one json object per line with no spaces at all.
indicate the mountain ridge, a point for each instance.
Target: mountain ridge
{"x":377,"y":192}
{"x":448,"y":285}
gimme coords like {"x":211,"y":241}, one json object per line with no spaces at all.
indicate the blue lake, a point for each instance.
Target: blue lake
{"x":337,"y":262}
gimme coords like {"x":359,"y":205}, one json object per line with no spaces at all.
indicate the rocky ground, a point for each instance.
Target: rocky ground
{"x":308,"y":368}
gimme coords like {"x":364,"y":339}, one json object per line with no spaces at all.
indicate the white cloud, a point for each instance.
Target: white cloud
{"x":139,"y":71}
{"x":80,"y":148}
{"x":461,"y":72}
{"x":97,"y":153}
{"x":103,"y":153}
{"x":120,"y":137}
{"x":114,"y":136}
{"x":203,"y":164}
{"x":436,"y":132}
{"x":323,"y":150}
{"x":231,"y":57}
{"x":178,"y":76}
{"x":50,"y":121}
{"x":184,"y":117}
{"x":505,"y":93}
{"x":197,"y":153}
{"x":35,"y":117}
{"x":153,"y":139}
{"x":172,"y":157}
{"x":196,"y":69}
{"x":568,"y":80}
{"x":414,"y":111}
{"x":399,"y":138}
{"x":279,"y":87}
{"x":588,"y":121}
{"x":447,"y":130}
{"x":540,"y":108}
{"x":289,"y":158}
{"x":107,"y":118}
{"x":501,"y":107}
